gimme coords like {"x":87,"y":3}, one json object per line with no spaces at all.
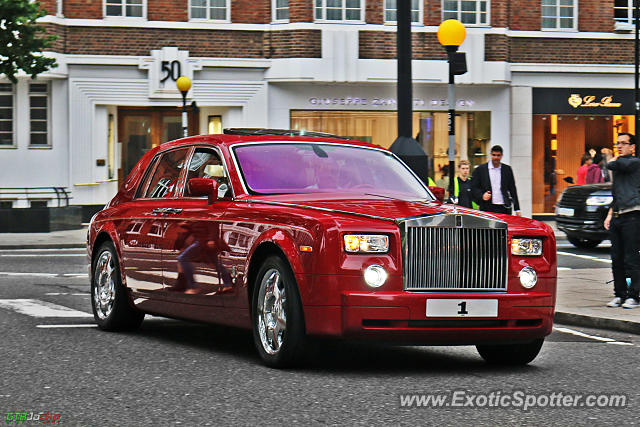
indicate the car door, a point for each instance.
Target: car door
{"x":194,"y":252}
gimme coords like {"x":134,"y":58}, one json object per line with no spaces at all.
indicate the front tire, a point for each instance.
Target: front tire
{"x":511,"y":354}
{"x":109,"y":300}
{"x":583,"y":243}
{"x":277,"y":317}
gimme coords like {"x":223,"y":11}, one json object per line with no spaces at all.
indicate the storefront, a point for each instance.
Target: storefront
{"x":568,"y":123}
{"x":368,"y":113}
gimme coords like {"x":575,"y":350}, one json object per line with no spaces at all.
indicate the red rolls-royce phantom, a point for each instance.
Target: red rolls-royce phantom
{"x":297,"y":236}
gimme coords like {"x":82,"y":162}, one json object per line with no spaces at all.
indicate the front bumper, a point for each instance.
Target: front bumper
{"x":401,"y":317}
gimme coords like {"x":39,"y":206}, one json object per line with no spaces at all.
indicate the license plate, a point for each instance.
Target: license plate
{"x":462,"y":308}
{"x":565,"y":211}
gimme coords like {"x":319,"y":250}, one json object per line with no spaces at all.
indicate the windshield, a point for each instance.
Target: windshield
{"x":277,"y":168}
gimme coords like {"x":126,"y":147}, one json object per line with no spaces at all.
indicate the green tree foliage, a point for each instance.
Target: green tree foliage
{"x":22,"y":40}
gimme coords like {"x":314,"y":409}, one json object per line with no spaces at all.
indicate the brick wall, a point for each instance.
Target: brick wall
{"x":204,"y":43}
{"x":382,"y":45}
{"x":374,"y":12}
{"x":294,"y":44}
{"x":432,"y":12}
{"x":251,"y":11}
{"x":301,"y":10}
{"x":568,"y":51}
{"x":86,"y":9}
{"x":167,"y":10}
{"x":595,"y":15}
{"x":500,"y":13}
{"x":496,"y":47}
{"x":49,"y":5}
{"x":525,"y":15}
{"x":138,"y":41}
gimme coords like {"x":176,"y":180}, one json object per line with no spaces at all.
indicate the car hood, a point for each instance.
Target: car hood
{"x":387,"y":208}
{"x":584,"y":190}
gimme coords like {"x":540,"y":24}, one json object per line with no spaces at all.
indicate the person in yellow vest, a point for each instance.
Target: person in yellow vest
{"x":462,"y":186}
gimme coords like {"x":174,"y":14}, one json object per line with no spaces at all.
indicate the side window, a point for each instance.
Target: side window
{"x":147,"y":177}
{"x":165,"y":178}
{"x":206,"y":163}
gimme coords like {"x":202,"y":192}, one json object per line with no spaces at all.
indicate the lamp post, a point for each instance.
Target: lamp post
{"x":451,"y":34}
{"x":184,"y":84}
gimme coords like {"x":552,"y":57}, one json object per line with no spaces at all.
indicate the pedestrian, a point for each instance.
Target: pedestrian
{"x":594,"y":173}
{"x":581,"y":174}
{"x":444,"y":178}
{"x":493,"y":185}
{"x":623,"y":223}
{"x":462,"y":187}
{"x":607,"y":154}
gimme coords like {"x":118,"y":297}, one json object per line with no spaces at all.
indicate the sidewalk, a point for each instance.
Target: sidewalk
{"x":581,"y":299}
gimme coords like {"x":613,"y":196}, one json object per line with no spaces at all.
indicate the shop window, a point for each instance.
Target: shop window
{"x":469,"y":12}
{"x":39,"y":115}
{"x":559,"y":15}
{"x":339,"y":10}
{"x":7,"y":103}
{"x":211,"y":10}
{"x":391,"y":7}
{"x":125,"y":8}
{"x":280,"y":10}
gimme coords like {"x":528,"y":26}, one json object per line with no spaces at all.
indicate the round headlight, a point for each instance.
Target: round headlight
{"x":375,"y":276}
{"x":528,"y":277}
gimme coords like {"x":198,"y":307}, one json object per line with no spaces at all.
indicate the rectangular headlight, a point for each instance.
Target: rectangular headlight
{"x":599,"y":200}
{"x":366,"y":243}
{"x":526,"y":247}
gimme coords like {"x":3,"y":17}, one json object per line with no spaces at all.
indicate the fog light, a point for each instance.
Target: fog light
{"x":528,"y":277}
{"x":375,"y":276}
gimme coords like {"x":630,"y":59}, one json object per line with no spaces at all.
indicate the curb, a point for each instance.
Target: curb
{"x":44,"y":246}
{"x":597,"y":322}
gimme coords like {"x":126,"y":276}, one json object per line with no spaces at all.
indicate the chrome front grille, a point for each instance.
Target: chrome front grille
{"x":455,"y":253}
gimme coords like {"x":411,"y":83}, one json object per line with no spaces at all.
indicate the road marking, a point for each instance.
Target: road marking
{"x":86,"y":294}
{"x":86,"y":325}
{"x":564,"y":268}
{"x":37,"y":308}
{"x":41,"y":255}
{"x":11,"y":273}
{"x":44,"y":250}
{"x":593,"y":337}
{"x":589,"y":257}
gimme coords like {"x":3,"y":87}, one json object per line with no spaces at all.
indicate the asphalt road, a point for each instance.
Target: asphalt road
{"x":172,"y":372}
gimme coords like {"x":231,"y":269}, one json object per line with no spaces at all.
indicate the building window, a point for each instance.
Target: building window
{"x":39,"y":114}
{"x":390,"y":8}
{"x":212,"y":10}
{"x":469,"y":12}
{"x":280,"y":10}
{"x":623,"y":11}
{"x":7,"y":102}
{"x":339,"y":10}
{"x":559,"y":14}
{"x":126,"y":8}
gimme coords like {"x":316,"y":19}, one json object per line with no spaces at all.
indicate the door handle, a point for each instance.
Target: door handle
{"x":159,"y":210}
{"x":172,"y":211}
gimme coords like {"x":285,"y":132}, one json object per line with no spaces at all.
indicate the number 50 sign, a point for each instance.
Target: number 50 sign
{"x":164,"y":67}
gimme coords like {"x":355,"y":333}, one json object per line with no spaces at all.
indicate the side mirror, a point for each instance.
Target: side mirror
{"x":199,"y":187}
{"x":438,"y":192}
{"x":568,"y":179}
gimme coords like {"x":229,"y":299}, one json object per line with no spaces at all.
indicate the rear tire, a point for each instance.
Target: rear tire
{"x":277,"y":317}
{"x":109,"y":299}
{"x":583,"y":243}
{"x":510,"y":354}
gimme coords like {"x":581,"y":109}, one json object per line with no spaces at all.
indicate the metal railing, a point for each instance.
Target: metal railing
{"x":61,"y":194}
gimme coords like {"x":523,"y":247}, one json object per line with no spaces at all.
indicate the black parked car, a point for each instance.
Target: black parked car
{"x":580,"y":213}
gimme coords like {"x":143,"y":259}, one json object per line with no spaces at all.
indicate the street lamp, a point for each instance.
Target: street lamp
{"x":184,"y":84}
{"x":451,"y":34}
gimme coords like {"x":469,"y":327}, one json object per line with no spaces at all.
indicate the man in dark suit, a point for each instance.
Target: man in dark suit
{"x":493,"y":186}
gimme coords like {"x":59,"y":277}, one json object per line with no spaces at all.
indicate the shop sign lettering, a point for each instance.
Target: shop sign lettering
{"x":575,"y":100}
{"x":384,"y":102}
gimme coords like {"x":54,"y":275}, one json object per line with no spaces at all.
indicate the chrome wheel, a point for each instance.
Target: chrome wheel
{"x":104,"y":291}
{"x":272,"y":318}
